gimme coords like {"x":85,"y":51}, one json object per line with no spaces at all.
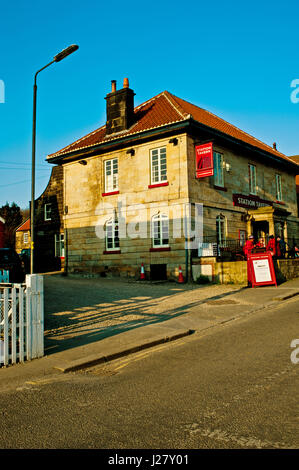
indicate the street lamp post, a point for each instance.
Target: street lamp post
{"x":69,"y":50}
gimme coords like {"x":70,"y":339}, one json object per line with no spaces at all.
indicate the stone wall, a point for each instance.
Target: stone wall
{"x":218,"y":200}
{"x":19,"y":243}
{"x":45,"y":230}
{"x":136,"y":201}
{"x":235,"y":272}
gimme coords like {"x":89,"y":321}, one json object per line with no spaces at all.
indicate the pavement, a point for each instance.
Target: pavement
{"x":166,"y":313}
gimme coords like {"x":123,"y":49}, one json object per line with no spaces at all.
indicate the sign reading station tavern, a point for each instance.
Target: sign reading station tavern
{"x":250,"y":202}
{"x":204,"y":160}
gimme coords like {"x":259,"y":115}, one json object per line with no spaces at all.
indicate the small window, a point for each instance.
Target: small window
{"x":59,"y":245}
{"x":221,"y":230}
{"x":111,"y":175}
{"x":158,"y":165}
{"x":48,"y":212}
{"x":252,"y":179}
{"x":25,"y":238}
{"x":112,"y":234}
{"x":160,"y":230}
{"x":278,"y":187}
{"x":218,"y":169}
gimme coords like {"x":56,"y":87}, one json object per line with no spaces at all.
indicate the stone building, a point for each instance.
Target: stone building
{"x":49,"y":233}
{"x":129,"y":185}
{"x":22,"y":240}
{"x":49,"y":236}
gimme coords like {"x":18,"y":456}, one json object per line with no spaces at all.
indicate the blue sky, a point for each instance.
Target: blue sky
{"x":235,"y":59}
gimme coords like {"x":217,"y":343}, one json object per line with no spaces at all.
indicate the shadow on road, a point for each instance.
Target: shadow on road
{"x":82,"y":311}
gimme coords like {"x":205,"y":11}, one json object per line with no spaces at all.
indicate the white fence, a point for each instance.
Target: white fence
{"x":4,"y":275}
{"x":22,"y":321}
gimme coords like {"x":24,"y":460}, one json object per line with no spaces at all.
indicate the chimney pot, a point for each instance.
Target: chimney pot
{"x":274,"y":145}
{"x":113,"y":86}
{"x":126,"y":83}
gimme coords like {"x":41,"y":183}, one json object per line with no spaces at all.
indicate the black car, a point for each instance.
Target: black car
{"x":10,"y":261}
{"x":25,"y":259}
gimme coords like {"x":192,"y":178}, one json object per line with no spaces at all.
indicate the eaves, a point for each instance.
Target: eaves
{"x":122,"y":142}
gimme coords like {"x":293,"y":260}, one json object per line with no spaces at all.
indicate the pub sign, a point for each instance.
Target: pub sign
{"x":204,"y":160}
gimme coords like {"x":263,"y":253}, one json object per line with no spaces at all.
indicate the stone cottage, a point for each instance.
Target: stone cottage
{"x":49,"y":233}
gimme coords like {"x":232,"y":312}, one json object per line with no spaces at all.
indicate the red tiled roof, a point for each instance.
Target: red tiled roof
{"x":25,"y":226}
{"x":295,"y":158}
{"x":162,"y":110}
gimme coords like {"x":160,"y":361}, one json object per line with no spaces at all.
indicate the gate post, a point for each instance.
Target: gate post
{"x":35,"y":289}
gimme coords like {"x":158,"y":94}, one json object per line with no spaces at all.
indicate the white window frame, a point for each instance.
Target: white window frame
{"x":278,"y":187}
{"x":158,"y":165}
{"x":59,"y":245}
{"x":48,"y":211}
{"x":221,"y":230}
{"x":111,"y":175}
{"x":218,"y":169}
{"x":111,"y":227}
{"x":160,"y":228}
{"x":25,"y":238}
{"x":252,"y":179}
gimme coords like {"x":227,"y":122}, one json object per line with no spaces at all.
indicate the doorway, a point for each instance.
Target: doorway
{"x":260,"y":229}
{"x":158,"y":272}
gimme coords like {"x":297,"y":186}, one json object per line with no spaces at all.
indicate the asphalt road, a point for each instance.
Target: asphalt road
{"x":234,"y":387}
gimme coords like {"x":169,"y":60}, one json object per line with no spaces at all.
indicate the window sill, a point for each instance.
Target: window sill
{"x":220,"y":188}
{"x":111,"y":252}
{"x":110,"y":194}
{"x":158,"y":185}
{"x":160,"y":248}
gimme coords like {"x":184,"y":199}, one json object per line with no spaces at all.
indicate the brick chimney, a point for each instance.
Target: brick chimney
{"x":120,"y":108}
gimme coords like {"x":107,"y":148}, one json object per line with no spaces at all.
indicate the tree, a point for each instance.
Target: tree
{"x":25,"y":213}
{"x":13,"y":218}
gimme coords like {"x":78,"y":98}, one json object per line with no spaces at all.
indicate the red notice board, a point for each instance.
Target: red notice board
{"x":260,"y":269}
{"x":204,"y":160}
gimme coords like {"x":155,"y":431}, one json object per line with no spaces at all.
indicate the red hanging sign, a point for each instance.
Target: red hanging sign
{"x":204,"y":160}
{"x":260,"y":269}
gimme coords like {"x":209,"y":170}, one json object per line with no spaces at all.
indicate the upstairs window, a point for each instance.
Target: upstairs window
{"x":48,"y":211}
{"x":218,"y":169}
{"x":278,"y":187}
{"x":111,"y":175}
{"x":112,"y":234}
{"x":252,"y":179}
{"x":158,"y":165}
{"x":26,"y":237}
{"x":160,"y":230}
